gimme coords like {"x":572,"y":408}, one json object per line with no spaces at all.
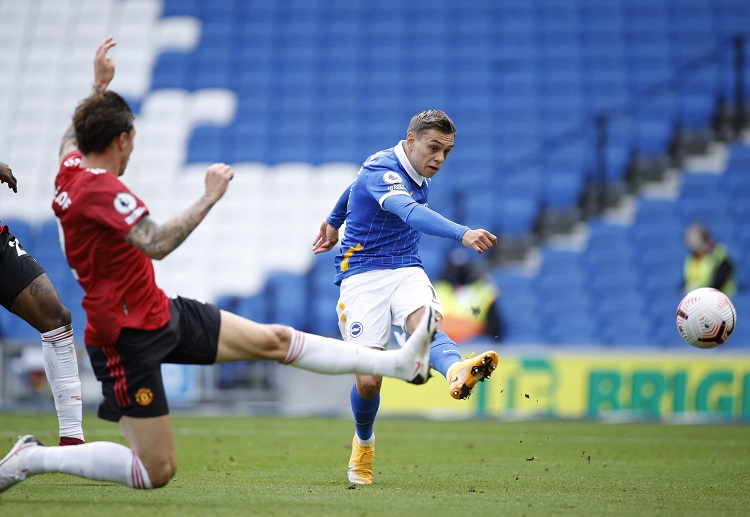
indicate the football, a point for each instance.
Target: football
{"x":706,"y":317}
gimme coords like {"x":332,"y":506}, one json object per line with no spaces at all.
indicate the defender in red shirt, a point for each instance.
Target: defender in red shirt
{"x":97,"y":212}
{"x":133,"y":328}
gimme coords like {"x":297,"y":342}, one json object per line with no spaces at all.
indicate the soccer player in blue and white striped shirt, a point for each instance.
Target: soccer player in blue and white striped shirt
{"x":379,"y":270}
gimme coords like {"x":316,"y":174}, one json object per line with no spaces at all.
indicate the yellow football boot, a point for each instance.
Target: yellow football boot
{"x":463,"y":376}
{"x":360,"y":463}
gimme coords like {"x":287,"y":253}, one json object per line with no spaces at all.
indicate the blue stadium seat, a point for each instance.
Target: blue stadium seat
{"x":583,"y":332}
{"x":521,"y":182}
{"x":324,"y":320}
{"x":711,"y":211}
{"x":181,"y":8}
{"x":560,"y":262}
{"x":20,"y":228}
{"x":696,"y":110}
{"x":517,"y":216}
{"x":13,"y":328}
{"x":571,"y":280}
{"x":516,"y":308}
{"x":617,"y":284}
{"x":626,"y":334}
{"x":652,"y":134}
{"x":514,"y":283}
{"x":609,"y":257}
{"x":658,"y":261}
{"x":171,"y":70}
{"x":287,"y":296}
{"x":654,"y":211}
{"x":663,"y":283}
{"x":563,"y":189}
{"x":700,"y":186}
{"x":44,"y":244}
{"x":323,"y":297}
{"x":479,"y":209}
{"x":739,"y":158}
{"x":434,"y":251}
{"x":206,"y":144}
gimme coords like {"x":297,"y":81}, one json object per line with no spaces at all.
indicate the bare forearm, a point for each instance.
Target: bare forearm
{"x":158,"y":241}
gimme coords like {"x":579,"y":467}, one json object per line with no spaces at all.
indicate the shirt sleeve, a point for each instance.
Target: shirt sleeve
{"x":338,"y":214}
{"x":382,"y":183}
{"x":113,"y":205}
{"x":423,"y":219}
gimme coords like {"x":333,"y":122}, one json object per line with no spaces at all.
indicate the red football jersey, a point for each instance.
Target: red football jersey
{"x":96,"y":211}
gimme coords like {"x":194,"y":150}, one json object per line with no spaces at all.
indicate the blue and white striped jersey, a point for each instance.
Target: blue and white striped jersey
{"x":375,"y":238}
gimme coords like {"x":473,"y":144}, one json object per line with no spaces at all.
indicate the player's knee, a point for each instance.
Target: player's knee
{"x":368,"y":386}
{"x":57,"y":317}
{"x":278,"y":345}
{"x":160,"y":475}
{"x":62,"y":316}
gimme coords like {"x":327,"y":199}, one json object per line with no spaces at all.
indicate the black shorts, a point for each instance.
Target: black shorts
{"x":130,"y":370}
{"x":17,"y":268}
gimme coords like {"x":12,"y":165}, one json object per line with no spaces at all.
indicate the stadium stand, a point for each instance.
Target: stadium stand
{"x":289,"y":93}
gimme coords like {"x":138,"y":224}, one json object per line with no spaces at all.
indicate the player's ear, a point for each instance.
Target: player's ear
{"x":123,"y":139}
{"x":410,"y":139}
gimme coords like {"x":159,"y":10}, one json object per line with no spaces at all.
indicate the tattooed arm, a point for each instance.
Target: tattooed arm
{"x":158,"y":241}
{"x":104,"y":72}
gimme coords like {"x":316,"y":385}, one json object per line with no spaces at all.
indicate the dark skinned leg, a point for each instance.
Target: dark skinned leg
{"x":40,"y":306}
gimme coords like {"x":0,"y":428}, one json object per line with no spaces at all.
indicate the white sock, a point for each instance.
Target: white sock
{"x":61,"y":367}
{"x":332,"y":356}
{"x":102,"y":461}
{"x":369,"y":441}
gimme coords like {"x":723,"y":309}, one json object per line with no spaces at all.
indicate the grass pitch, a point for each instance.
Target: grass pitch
{"x":297,"y":466}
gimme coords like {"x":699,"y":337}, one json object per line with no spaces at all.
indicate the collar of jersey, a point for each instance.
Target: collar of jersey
{"x":399,"y":149}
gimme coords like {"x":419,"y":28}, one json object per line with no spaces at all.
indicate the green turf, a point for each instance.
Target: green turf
{"x":289,"y":466}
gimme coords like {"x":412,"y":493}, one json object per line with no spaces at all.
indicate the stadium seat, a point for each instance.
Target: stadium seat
{"x":739,"y":158}
{"x":563,"y":189}
{"x":652,"y":134}
{"x":21,"y":229}
{"x":559,"y":262}
{"x":626,"y":336}
{"x":254,"y":308}
{"x":517,"y":216}
{"x":581,"y":332}
{"x":570,"y":281}
{"x":287,"y":299}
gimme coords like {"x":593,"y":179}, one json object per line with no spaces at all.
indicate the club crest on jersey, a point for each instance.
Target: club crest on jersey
{"x":125,"y":202}
{"x":355,"y":329}
{"x":392,"y":178}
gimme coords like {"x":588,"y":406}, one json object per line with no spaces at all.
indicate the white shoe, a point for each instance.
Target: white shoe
{"x":12,"y":469}
{"x":417,"y":350}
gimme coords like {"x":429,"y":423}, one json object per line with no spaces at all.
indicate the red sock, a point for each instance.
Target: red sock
{"x":65,"y":440}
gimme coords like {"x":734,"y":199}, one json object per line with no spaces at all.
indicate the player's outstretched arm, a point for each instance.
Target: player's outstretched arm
{"x":328,"y":235}
{"x":326,"y":238}
{"x":104,"y":72}
{"x":157,"y":241}
{"x":6,"y":176}
{"x":479,"y":240}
